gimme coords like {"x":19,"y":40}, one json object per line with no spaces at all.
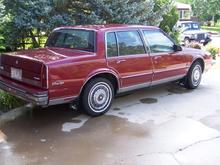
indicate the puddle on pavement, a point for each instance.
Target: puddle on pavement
{"x":116,"y":109}
{"x":102,"y":132}
{"x":148,"y":100}
{"x":175,"y":89}
{"x":76,"y":121}
{"x":212,"y":121}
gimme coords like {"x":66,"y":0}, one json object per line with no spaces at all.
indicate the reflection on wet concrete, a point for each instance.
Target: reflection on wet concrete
{"x":50,"y":146}
{"x":75,"y":123}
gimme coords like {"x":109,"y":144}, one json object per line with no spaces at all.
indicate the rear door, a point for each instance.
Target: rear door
{"x":127,"y":55}
{"x":168,"y":64}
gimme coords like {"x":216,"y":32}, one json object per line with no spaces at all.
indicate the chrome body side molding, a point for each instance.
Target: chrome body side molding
{"x":153,"y":83}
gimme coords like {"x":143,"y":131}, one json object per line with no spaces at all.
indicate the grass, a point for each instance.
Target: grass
{"x":8,"y":102}
{"x":212,"y":28}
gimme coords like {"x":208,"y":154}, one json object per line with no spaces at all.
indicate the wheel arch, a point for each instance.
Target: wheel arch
{"x":111,"y":76}
{"x":201,"y":61}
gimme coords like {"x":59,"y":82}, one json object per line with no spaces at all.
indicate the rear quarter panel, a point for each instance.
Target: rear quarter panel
{"x":66,"y":79}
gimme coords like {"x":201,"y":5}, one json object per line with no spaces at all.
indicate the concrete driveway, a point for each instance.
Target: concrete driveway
{"x":165,"y":125}
{"x":216,"y":40}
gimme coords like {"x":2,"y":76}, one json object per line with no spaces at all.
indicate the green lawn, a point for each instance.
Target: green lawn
{"x":211,"y":28}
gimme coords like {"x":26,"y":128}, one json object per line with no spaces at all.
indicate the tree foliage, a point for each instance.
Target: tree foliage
{"x":206,"y":9}
{"x":169,"y":21}
{"x":33,"y":18}
{"x":119,"y":11}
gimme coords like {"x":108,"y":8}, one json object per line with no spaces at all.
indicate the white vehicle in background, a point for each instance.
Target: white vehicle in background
{"x":191,"y":31}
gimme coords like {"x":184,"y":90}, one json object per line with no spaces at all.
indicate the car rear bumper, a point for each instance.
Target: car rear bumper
{"x":30,"y":94}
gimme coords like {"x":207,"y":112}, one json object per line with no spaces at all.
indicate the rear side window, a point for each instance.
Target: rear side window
{"x":112,"y":48}
{"x":130,"y":43}
{"x":158,"y":41}
{"x":72,"y":38}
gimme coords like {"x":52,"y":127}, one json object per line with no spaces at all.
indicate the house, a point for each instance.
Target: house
{"x":185,"y":11}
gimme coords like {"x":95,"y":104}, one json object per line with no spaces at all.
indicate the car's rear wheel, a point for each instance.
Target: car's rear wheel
{"x":97,"y":96}
{"x":194,"y":76}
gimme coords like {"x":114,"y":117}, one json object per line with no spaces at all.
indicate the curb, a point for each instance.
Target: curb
{"x":15,"y":113}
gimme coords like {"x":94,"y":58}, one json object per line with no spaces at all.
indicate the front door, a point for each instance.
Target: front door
{"x":127,"y":56}
{"x":168,"y":64}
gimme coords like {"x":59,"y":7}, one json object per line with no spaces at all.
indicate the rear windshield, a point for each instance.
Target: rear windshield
{"x":72,"y":38}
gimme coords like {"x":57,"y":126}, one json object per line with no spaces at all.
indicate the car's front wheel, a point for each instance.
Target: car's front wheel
{"x":97,"y":96}
{"x":194,"y":76}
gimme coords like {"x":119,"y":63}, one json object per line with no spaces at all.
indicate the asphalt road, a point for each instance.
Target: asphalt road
{"x":157,"y":126}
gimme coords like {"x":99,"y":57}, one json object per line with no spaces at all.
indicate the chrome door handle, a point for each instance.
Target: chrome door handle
{"x":120,"y":61}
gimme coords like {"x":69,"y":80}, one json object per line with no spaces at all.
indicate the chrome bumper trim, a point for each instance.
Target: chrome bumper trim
{"x":40,"y":98}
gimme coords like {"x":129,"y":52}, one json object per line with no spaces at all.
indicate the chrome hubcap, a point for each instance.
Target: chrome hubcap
{"x":196,"y":75}
{"x":100,"y":97}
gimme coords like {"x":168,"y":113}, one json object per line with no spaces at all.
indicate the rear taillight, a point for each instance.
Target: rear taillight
{"x":45,"y":77}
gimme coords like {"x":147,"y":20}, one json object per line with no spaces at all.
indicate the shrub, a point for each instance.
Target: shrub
{"x":8,"y":101}
{"x":169,"y":21}
{"x":194,"y":45}
{"x":213,"y":50}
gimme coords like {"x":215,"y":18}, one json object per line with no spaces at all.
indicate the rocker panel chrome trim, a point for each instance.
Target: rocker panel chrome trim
{"x":144,"y":85}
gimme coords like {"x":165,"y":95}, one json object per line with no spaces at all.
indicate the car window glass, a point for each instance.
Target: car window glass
{"x":188,"y":26}
{"x":158,"y":41}
{"x":72,"y":38}
{"x":112,"y":49}
{"x":195,"y":26}
{"x":130,"y":43}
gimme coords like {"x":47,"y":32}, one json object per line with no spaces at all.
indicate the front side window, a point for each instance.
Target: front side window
{"x":130,"y":43}
{"x":158,"y":41}
{"x":112,"y":49}
{"x":72,"y":38}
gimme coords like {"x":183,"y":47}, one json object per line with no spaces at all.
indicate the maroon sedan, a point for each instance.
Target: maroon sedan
{"x":94,"y":63}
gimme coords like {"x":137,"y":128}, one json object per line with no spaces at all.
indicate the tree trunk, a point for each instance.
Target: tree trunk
{"x":213,"y":19}
{"x":35,"y":43}
{"x":23,"y":42}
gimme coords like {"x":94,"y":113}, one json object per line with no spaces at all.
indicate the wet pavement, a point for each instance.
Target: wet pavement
{"x":161,"y":125}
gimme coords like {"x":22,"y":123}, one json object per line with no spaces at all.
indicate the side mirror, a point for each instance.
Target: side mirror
{"x":177,"y":48}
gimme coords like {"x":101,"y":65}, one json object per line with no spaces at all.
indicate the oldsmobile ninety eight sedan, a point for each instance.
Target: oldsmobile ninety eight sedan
{"x":94,"y":63}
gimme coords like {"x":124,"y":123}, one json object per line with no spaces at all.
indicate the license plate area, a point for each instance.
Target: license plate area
{"x":16,"y":73}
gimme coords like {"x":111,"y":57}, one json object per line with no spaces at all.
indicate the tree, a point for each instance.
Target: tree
{"x":170,"y":18}
{"x":118,"y":11}
{"x":185,"y":1}
{"x":29,"y":20}
{"x":169,"y":21}
{"x":206,"y":9}
{"x":32,"y":18}
{"x":2,"y":8}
